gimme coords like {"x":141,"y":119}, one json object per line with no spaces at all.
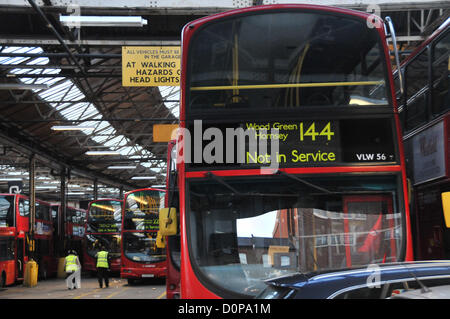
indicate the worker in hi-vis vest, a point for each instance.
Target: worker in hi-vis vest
{"x":72,"y":267}
{"x":102,"y":267}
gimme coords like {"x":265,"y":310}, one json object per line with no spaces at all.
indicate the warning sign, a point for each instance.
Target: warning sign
{"x":151,"y":66}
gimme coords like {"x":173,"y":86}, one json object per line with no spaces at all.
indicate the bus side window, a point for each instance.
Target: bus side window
{"x":38,"y":211}
{"x":441,"y":66}
{"x":24,"y":208}
{"x":417,"y":92}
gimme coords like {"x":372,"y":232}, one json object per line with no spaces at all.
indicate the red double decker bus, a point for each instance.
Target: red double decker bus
{"x":103,"y":228}
{"x":44,"y":253}
{"x":16,"y":245}
{"x":75,"y":228}
{"x":71,"y":233}
{"x":325,"y":187}
{"x":141,"y":258}
{"x":173,"y":249}
{"x":424,"y":111}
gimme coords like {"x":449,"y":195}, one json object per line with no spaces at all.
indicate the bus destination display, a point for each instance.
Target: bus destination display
{"x":104,"y":218}
{"x":142,"y":212}
{"x":290,"y":143}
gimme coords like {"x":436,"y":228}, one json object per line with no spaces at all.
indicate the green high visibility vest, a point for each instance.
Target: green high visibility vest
{"x":102,"y":259}
{"x":71,"y":263}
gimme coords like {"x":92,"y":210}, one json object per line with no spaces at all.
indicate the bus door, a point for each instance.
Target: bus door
{"x":431,"y":238}
{"x":369,"y":225}
{"x":20,"y":257}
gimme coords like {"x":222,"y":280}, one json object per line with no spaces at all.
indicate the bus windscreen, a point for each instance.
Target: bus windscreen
{"x":105,"y":217}
{"x":6,"y":211}
{"x":142,"y":210}
{"x":251,"y":229}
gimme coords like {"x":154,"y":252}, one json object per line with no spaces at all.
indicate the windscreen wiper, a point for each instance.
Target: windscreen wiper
{"x":301,"y":180}
{"x":219,"y":180}
{"x":423,"y":289}
{"x":222,"y":182}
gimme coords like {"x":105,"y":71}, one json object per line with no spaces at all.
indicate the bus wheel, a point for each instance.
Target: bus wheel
{"x":43,"y":273}
{"x":3,"y":280}
{"x":131,"y":281}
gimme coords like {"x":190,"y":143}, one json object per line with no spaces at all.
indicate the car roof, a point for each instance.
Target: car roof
{"x":328,"y":284}
{"x":437,"y":292}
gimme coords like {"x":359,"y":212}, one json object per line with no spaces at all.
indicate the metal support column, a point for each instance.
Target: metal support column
{"x":95,"y":189}
{"x":32,"y":187}
{"x":63,"y":217}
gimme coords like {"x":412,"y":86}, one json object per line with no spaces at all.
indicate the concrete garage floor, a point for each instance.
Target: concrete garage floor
{"x":56,"y":289}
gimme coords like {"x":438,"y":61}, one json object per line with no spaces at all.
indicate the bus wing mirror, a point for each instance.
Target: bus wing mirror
{"x":160,"y":243}
{"x":446,"y":207}
{"x":168,"y":221}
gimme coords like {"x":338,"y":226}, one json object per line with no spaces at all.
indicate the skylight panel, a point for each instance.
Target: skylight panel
{"x":65,"y":90}
{"x":89,"y":113}
{"x":39,"y":61}
{"x":169,"y":94}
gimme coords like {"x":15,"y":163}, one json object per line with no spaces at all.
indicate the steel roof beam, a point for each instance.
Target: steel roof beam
{"x":202,"y":7}
{"x":62,"y":75}
{"x":53,"y":160}
{"x":158,"y":120}
{"x":143,"y":102}
{"x":92,"y":42}
{"x":56,"y":66}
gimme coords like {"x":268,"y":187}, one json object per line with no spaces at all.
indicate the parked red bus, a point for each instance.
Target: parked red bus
{"x":173,"y":252}
{"x":141,"y":258}
{"x":58,"y":230}
{"x":44,"y":241}
{"x":103,"y":228}
{"x":325,"y":187}
{"x":76,"y":219}
{"x":15,"y":241}
{"x":71,"y":234}
{"x":425,"y":117}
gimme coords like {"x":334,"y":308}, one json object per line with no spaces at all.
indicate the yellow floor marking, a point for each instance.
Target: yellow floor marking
{"x":115,"y":293}
{"x":86,"y":294}
{"x":162,"y":295}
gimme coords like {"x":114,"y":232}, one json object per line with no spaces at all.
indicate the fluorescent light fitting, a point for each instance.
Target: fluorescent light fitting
{"x":143,"y":177}
{"x":10,"y":179}
{"x":70,"y":193}
{"x":46,"y":187}
{"x":159,"y":186}
{"x":71,"y":128}
{"x":22,"y":86}
{"x":101,"y":153}
{"x":122,"y":167}
{"x":74,"y":21}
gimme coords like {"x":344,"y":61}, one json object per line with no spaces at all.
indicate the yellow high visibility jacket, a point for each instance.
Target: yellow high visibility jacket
{"x":102,"y":259}
{"x":71,"y":263}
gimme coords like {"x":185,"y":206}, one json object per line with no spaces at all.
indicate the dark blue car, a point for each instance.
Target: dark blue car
{"x":377,"y":281}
